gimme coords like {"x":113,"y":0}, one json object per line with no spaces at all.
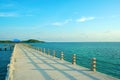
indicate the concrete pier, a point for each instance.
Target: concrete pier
{"x":30,"y":64}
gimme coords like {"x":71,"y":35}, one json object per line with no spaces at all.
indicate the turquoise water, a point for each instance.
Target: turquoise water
{"x":106,"y":53}
{"x":4,"y":61}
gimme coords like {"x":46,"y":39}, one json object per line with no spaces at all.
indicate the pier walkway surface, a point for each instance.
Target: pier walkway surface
{"x":30,"y":64}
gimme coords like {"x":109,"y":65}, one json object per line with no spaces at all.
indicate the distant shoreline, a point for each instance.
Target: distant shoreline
{"x":25,"y":41}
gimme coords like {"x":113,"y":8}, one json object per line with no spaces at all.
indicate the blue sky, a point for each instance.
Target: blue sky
{"x":60,"y":20}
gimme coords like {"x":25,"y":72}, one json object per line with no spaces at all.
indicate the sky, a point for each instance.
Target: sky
{"x":60,"y":20}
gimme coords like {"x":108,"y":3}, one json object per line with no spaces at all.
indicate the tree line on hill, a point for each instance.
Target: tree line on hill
{"x":24,"y":41}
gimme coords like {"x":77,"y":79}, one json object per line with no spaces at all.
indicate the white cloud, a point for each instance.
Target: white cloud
{"x":62,"y":23}
{"x":83,"y":19}
{"x":2,"y":14}
{"x":12,"y":14}
{"x":56,"y":24}
{"x":67,"y":21}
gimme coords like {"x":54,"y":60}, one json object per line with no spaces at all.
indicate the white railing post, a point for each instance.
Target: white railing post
{"x":94,"y":64}
{"x":62,"y":56}
{"x":74,"y":59}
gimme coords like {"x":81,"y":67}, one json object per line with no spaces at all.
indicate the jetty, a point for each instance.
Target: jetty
{"x":28,"y":63}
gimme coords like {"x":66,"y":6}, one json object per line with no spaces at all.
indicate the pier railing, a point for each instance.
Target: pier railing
{"x":74,"y":59}
{"x":91,"y":63}
{"x":6,"y":48}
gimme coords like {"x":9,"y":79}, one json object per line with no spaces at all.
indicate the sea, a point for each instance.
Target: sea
{"x":4,"y":60}
{"x":107,"y":55}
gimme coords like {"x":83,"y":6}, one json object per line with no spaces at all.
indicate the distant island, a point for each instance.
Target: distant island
{"x":24,"y":41}
{"x":32,"y":41}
